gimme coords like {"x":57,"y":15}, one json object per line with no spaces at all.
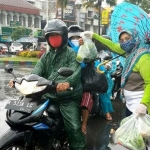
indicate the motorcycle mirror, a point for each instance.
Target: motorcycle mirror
{"x":65,"y":71}
{"x":107,"y":57}
{"x":8,"y":68}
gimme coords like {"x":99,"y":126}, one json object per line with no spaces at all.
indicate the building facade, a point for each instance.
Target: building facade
{"x":33,"y":14}
{"x":14,"y":13}
{"x":88,"y":18}
{"x":22,"y":11}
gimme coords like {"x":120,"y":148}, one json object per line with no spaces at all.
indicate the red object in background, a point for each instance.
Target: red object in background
{"x":41,"y":53}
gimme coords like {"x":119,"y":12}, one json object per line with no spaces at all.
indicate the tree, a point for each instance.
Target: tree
{"x":17,"y":33}
{"x":97,"y":4}
{"x":144,"y":4}
{"x":62,"y":4}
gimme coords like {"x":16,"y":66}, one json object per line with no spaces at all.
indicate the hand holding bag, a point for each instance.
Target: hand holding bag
{"x":87,"y":52}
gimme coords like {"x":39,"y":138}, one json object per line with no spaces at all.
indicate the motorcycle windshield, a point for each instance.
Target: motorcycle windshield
{"x":27,"y":88}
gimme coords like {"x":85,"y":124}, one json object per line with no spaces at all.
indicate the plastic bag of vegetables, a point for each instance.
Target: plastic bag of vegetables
{"x":143,"y":125}
{"x":125,"y":120}
{"x":128,"y":135}
{"x":87,"y":52}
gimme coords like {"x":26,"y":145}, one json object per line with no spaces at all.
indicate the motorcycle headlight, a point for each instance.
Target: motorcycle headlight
{"x":27,"y":88}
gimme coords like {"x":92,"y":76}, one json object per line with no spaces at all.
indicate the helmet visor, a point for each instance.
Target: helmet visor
{"x":58,"y":32}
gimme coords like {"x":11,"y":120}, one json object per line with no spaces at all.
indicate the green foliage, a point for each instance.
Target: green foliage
{"x":31,"y":54}
{"x":61,"y":3}
{"x":17,"y":33}
{"x":144,"y":4}
{"x":89,"y":3}
{"x":111,"y":2}
{"x":95,"y":3}
{"x":23,"y":53}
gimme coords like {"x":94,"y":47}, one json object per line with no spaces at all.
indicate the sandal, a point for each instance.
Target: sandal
{"x":108,"y":117}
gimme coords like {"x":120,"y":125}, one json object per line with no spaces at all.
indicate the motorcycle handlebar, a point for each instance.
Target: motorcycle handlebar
{"x":70,"y":89}
{"x":53,"y":87}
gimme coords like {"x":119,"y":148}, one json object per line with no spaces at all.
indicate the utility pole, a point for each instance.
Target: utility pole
{"x":99,"y":15}
{"x":78,"y":5}
{"x":62,"y":9}
{"x":47,"y":18}
{"x":47,"y":7}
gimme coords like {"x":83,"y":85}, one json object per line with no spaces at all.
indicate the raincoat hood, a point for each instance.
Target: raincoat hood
{"x":133,"y":57}
{"x":57,"y":26}
{"x":125,"y":31}
{"x":132,"y":32}
{"x":135,"y":36}
{"x":74,"y":30}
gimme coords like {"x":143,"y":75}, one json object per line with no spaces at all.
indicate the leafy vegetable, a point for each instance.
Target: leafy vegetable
{"x":87,"y":52}
{"x":128,"y":135}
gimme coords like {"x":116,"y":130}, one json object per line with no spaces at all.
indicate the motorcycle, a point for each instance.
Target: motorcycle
{"x":116,"y":77}
{"x":35,"y":124}
{"x":96,"y":109}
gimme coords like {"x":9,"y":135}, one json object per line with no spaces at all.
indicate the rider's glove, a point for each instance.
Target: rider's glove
{"x":141,"y":109}
{"x":87,"y":34}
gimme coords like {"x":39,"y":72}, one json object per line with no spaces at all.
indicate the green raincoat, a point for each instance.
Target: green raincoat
{"x":69,"y":101}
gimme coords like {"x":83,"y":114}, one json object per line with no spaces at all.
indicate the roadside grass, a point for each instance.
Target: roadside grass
{"x":18,"y":58}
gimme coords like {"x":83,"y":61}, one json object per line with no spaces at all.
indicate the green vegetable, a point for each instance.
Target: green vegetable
{"x":87,"y":52}
{"x":128,"y":135}
{"x":125,"y":120}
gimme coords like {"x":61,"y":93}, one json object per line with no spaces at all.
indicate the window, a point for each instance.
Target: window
{"x":87,"y":27}
{"x":3,"y":19}
{"x":8,"y":19}
{"x":16,"y":44}
{"x":43,"y":4}
{"x":90,"y":14}
{"x":36,"y":21}
{"x":29,"y":21}
{"x":82,"y":15}
{"x":82,"y":25}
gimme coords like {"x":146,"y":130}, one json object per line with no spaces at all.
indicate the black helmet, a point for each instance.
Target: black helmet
{"x":56,"y":26}
{"x":74,"y":30}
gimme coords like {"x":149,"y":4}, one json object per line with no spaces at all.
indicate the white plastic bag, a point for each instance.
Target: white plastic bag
{"x":143,"y":125}
{"x":87,"y":52}
{"x":128,"y":135}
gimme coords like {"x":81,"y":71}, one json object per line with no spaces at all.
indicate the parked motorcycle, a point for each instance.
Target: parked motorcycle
{"x":35,"y":124}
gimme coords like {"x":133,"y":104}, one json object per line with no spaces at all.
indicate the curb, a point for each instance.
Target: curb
{"x":22,"y":63}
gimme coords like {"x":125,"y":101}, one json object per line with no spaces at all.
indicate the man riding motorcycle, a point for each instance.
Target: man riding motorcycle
{"x":59,"y":55}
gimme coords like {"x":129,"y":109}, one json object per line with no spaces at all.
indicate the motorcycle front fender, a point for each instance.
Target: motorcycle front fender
{"x":12,"y":136}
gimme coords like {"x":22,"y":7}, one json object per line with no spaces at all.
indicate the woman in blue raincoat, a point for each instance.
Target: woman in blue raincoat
{"x":105,"y":100}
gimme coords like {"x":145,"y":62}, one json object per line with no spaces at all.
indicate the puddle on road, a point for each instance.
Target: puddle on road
{"x":6,"y":77}
{"x":2,"y":88}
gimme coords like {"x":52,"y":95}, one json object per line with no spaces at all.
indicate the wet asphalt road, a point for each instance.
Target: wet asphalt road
{"x":98,"y":131}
